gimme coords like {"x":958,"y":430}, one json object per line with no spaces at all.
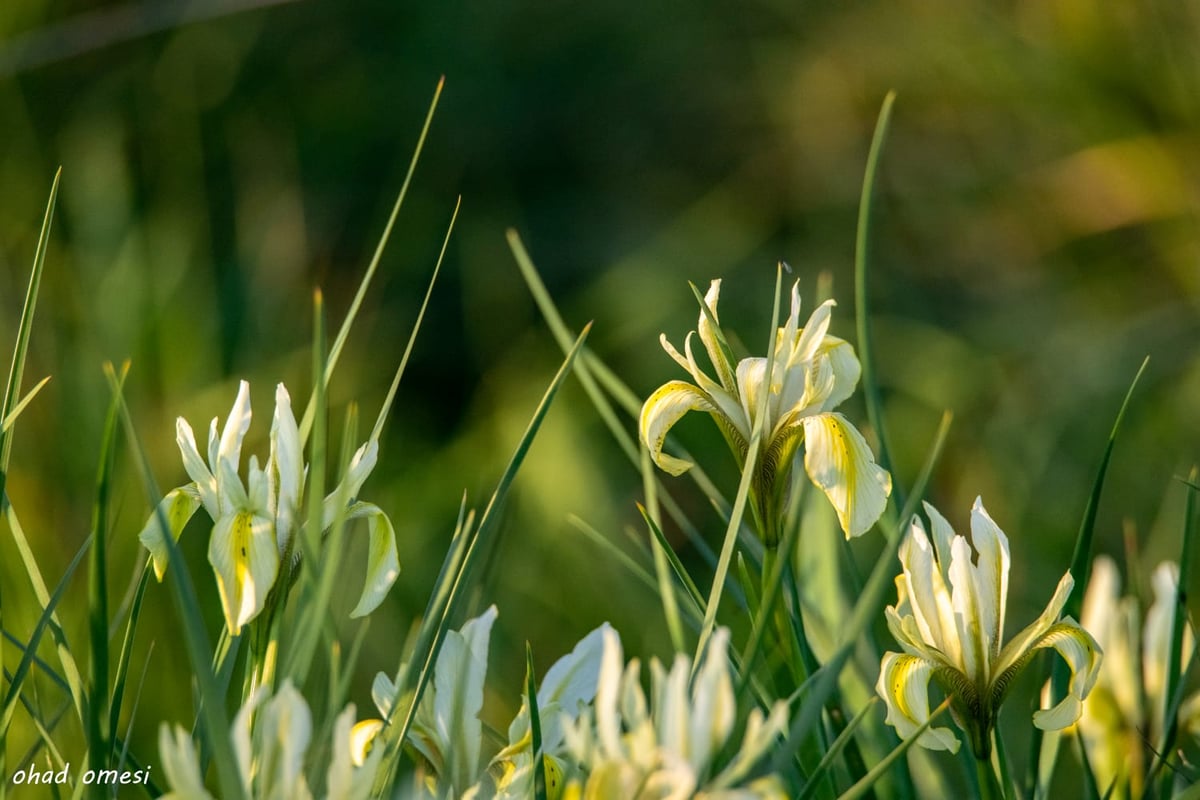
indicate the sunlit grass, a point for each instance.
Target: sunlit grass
{"x":767,"y":689}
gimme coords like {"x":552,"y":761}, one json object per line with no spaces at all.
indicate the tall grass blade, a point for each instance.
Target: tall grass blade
{"x":44,"y":621}
{"x":596,"y":378}
{"x":98,"y":730}
{"x":535,"y":726}
{"x":821,"y":685}
{"x":9,"y":411}
{"x":666,"y":591}
{"x":433,"y":630}
{"x":863,"y":786}
{"x":743,"y":493}
{"x":412,"y":338}
{"x":1081,"y":567}
{"x":191,"y":623}
{"x":835,"y":749}
{"x":340,"y":340}
{"x":7,"y":423}
{"x":1176,"y":665}
{"x":862,"y":319}
{"x":122,"y":674}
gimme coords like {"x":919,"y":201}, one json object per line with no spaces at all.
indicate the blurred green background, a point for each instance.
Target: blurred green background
{"x":1037,"y":237}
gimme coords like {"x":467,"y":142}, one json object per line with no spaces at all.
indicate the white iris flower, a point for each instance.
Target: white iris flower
{"x":1124,"y":713}
{"x":949,"y":620}
{"x":812,"y":374}
{"x":271,"y":736}
{"x":255,"y":523}
{"x":670,"y":745}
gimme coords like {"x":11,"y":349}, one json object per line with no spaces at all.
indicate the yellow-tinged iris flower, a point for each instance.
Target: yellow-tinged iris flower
{"x":271,"y":736}
{"x":813,"y":372}
{"x":1123,"y":715}
{"x":676,"y":743}
{"x":254,"y":524}
{"x":949,"y":620}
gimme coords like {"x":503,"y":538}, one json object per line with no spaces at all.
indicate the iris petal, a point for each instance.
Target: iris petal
{"x":660,"y":413}
{"x":839,"y":461}
{"x":904,"y":686}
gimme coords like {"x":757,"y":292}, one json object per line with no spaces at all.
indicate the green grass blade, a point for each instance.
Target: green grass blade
{"x":412,"y":338}
{"x":122,"y":674}
{"x":7,"y":423}
{"x":593,"y":375}
{"x":863,"y":786}
{"x":672,"y":558}
{"x":835,"y":749}
{"x":340,"y":340}
{"x":535,"y":726}
{"x":666,"y":592}
{"x":862,"y":319}
{"x":1177,"y":667}
{"x":1081,"y":566}
{"x":44,"y":622}
{"x":62,"y":647}
{"x":743,"y":493}
{"x":8,"y":408}
{"x":21,"y":348}
{"x":98,"y":730}
{"x":191,"y":622}
{"x":434,"y":630}
{"x":821,"y":685}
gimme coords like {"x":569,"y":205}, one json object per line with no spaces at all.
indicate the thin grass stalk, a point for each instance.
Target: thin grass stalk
{"x":535,"y":727}
{"x":860,"y":788}
{"x":739,"y":504}
{"x":98,"y":726}
{"x":195,"y":636}
{"x":1081,"y":565}
{"x":461,"y":580}
{"x":866,"y":610}
{"x":340,"y":340}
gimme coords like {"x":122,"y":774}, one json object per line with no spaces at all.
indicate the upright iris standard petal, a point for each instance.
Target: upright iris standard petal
{"x":285,"y":467}
{"x":954,"y":636}
{"x":838,"y":459}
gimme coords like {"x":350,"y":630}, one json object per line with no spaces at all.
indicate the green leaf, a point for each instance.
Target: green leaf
{"x":1081,"y":567}
{"x":862,"y":318}
{"x":864,"y":785}
{"x":191,"y":622}
{"x":535,"y":727}
{"x":340,"y":340}
{"x":456,"y":577}
{"x":99,"y":701}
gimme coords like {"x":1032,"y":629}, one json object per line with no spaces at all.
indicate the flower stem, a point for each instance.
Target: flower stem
{"x":987,"y":786}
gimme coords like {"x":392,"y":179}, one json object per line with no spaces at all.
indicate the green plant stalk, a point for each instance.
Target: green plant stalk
{"x":11,"y":391}
{"x":739,"y":504}
{"x":666,"y":591}
{"x":985,"y":779}
{"x":99,"y":701}
{"x":860,"y":788}
{"x":535,"y":727}
{"x":340,"y":340}
{"x":433,"y":630}
{"x":1081,"y":564}
{"x":1175,"y":660}
{"x":118,"y":694}
{"x":865,"y":611}
{"x":862,"y":320}
{"x":216,"y":724}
